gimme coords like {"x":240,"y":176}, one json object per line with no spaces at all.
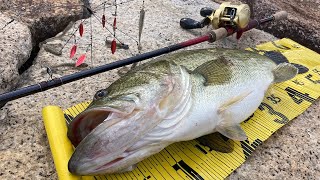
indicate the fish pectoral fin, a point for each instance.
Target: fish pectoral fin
{"x":217,"y":71}
{"x":232,"y":101}
{"x":234,"y":132}
{"x":284,"y":72}
{"x":229,"y":126}
{"x":217,"y":142}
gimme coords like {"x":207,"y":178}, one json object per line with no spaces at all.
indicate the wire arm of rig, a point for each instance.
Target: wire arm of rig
{"x":211,"y":37}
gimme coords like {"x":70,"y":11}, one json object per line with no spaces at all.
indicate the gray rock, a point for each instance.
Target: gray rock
{"x":302,"y":24}
{"x":45,"y":19}
{"x":25,"y":149}
{"x":41,"y":20}
{"x":291,"y":153}
{"x":15,"y":49}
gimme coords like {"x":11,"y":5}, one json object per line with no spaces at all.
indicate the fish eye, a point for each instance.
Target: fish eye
{"x":100,"y":94}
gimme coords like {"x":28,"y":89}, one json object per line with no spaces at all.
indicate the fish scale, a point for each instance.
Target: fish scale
{"x":225,"y":88}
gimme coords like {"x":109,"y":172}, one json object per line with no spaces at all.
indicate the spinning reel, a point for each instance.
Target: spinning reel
{"x":232,"y":15}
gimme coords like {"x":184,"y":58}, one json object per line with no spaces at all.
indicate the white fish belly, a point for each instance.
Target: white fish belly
{"x":204,"y":115}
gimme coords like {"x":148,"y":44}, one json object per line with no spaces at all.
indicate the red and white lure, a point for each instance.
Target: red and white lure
{"x":74,"y":48}
{"x":81,"y":29}
{"x":80,"y":60}
{"x":113,"y":43}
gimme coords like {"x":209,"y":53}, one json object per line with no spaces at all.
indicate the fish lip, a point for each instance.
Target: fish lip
{"x":76,"y":165}
{"x":83,"y":161}
{"x":89,"y":166}
{"x":82,"y":124}
{"x":106,"y":168}
{"x":114,"y":162}
{"x":87,"y":169}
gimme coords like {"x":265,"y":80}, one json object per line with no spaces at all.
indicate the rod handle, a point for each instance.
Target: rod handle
{"x":218,"y":34}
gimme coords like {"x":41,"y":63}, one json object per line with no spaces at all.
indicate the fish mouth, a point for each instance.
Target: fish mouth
{"x":106,"y":137}
{"x":85,"y":122}
{"x":83,"y":129}
{"x":115,"y":165}
{"x":109,"y":164}
{"x":125,"y":162}
{"x":90,"y":169}
{"x":104,"y":168}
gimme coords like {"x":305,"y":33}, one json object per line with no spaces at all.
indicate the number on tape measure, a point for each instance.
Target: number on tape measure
{"x":274,"y":99}
{"x":316,"y":71}
{"x":309,"y":77}
{"x":298,"y":97}
{"x":281,"y":118}
{"x":298,"y":82}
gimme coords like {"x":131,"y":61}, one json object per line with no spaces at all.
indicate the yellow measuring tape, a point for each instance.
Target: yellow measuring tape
{"x":191,"y":160}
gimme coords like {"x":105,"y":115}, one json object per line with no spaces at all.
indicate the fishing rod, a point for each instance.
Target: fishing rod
{"x":223,"y":31}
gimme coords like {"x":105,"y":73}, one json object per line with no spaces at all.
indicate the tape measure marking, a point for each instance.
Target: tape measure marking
{"x":282,"y":103}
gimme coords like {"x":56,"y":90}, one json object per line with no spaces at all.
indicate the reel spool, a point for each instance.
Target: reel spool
{"x":230,"y":14}
{"x":235,"y":15}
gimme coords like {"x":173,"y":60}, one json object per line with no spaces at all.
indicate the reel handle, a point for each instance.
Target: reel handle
{"x":206,"y":11}
{"x":188,"y":23}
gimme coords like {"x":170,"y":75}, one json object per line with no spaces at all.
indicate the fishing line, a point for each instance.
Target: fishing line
{"x":141,"y":23}
{"x":91,"y":44}
{"x":127,"y":35}
{"x":235,"y":157}
{"x":99,"y":20}
{"x":96,"y":8}
{"x":91,"y":50}
{"x":72,"y":34}
{"x":116,"y":28}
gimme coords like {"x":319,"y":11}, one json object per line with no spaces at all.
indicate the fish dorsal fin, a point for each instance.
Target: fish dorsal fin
{"x":215,"y":72}
{"x":284,"y":72}
{"x":229,"y":126}
{"x":217,"y":142}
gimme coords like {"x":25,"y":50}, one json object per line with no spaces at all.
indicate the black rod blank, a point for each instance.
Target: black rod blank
{"x":45,"y":85}
{"x":212,"y":36}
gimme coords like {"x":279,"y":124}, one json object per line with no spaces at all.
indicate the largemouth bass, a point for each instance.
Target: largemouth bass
{"x":177,"y":97}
